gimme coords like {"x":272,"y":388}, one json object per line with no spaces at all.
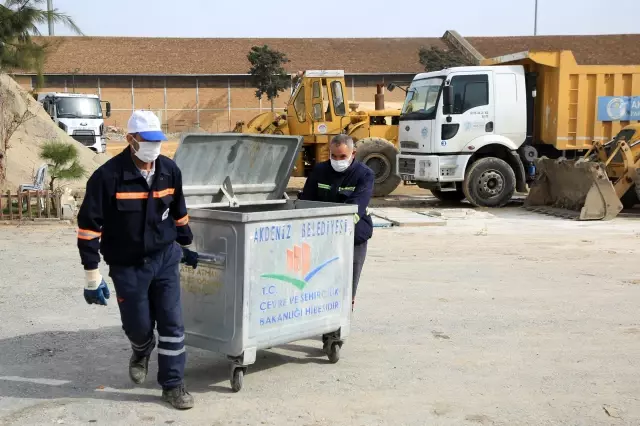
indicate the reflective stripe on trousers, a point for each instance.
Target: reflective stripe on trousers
{"x":149,"y":296}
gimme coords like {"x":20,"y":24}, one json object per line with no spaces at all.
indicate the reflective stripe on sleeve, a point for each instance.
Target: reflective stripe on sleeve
{"x":324,"y":186}
{"x":88,"y":235}
{"x":356,"y":218}
{"x":182,"y":221}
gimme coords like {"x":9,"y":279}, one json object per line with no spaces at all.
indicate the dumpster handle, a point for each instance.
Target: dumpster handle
{"x":213,"y":259}
{"x":227,"y":190}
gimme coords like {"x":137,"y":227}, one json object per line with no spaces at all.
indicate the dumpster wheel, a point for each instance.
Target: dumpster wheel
{"x":237,"y":379}
{"x":334,"y":353}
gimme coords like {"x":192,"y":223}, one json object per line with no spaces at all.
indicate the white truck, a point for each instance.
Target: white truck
{"x":462,"y":133}
{"x":79,"y":115}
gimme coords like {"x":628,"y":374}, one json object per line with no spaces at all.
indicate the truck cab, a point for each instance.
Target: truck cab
{"x":460,"y":139}
{"x":80,"y":116}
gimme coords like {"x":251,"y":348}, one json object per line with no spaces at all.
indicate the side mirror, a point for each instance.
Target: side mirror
{"x":447,"y":96}
{"x":391,"y":87}
{"x":108,"y":109}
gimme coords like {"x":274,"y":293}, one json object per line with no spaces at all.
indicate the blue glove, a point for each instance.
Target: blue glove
{"x":189,"y":257}
{"x":95,"y":289}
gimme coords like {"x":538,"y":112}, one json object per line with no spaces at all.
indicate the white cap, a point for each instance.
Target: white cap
{"x":147,"y":125}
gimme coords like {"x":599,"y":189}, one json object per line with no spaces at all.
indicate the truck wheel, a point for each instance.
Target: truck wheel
{"x":449,"y":196}
{"x":489,"y":182}
{"x":380,"y":156}
{"x":630,"y":198}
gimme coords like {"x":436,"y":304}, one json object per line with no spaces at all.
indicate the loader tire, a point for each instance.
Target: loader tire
{"x":380,"y":156}
{"x":489,"y":182}
{"x":630,"y":198}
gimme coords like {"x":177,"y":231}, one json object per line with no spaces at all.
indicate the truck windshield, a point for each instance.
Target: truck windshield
{"x":78,"y":108}
{"x":421,"y":100}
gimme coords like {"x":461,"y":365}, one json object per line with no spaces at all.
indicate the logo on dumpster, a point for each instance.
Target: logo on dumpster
{"x":299,"y":267}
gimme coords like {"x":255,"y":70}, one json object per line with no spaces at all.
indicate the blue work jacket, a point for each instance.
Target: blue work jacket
{"x":125,"y":219}
{"x":353,"y":186}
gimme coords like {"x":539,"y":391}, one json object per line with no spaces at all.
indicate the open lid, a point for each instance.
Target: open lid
{"x":233,"y":169}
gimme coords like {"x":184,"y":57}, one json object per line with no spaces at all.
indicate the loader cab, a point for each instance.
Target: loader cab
{"x":317,"y":107}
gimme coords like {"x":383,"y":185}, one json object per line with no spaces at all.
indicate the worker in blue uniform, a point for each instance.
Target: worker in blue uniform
{"x":134,"y":213}
{"x":343,"y":179}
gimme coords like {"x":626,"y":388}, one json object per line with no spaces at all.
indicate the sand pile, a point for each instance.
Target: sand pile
{"x":23,"y":156}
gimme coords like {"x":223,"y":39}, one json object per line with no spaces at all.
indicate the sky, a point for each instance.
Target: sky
{"x":368,"y":18}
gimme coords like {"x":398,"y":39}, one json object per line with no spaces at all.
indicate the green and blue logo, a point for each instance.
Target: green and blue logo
{"x":299,"y":267}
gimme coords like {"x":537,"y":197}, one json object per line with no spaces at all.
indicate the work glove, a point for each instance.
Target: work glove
{"x":189,"y":257}
{"x":95,"y":289}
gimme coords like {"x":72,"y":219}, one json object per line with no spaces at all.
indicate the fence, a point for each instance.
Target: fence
{"x":30,"y":205}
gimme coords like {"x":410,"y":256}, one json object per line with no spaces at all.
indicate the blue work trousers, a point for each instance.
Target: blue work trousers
{"x":148,"y":296}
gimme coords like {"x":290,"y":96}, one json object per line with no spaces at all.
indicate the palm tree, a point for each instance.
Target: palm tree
{"x":19,"y":21}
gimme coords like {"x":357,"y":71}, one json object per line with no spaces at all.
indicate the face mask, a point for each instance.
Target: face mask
{"x":148,"y":151}
{"x":340,"y":165}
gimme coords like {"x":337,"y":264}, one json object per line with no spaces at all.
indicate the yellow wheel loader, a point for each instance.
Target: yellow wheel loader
{"x":594,"y":187}
{"x":317,"y":110}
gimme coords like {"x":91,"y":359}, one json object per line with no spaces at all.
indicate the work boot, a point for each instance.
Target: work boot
{"x":138,"y":366}
{"x":178,"y":397}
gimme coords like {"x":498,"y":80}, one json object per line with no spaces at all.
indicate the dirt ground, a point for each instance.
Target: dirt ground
{"x":505,"y":319}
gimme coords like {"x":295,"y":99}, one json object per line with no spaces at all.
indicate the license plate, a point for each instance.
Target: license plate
{"x":406,"y":177}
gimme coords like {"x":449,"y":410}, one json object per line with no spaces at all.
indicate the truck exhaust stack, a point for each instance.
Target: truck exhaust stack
{"x":379,"y":98}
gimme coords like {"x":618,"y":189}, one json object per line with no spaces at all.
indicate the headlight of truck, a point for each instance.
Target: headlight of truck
{"x":62,"y":126}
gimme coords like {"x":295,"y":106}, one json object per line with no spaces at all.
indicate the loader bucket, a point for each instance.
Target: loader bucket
{"x":575,"y":190}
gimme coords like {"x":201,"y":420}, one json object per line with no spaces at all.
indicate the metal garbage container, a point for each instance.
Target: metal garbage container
{"x":272,"y":270}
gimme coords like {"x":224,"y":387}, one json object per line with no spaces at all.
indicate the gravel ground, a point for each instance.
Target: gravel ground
{"x":514,"y":319}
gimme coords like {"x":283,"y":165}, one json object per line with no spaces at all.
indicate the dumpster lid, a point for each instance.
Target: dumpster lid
{"x":234,"y":169}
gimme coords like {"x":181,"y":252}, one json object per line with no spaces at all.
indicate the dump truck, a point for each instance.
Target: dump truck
{"x":317,"y":111}
{"x":79,"y":115}
{"x":479,"y":132}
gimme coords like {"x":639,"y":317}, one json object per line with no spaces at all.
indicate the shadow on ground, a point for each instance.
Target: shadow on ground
{"x":93,"y":364}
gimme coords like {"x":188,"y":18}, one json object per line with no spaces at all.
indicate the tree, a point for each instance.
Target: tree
{"x":436,"y":59}
{"x":19,"y":20}
{"x":267,"y":74}
{"x":10,"y":121}
{"x":63,"y":162}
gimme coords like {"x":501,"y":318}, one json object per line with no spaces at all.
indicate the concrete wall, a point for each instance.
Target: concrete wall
{"x":214,"y":103}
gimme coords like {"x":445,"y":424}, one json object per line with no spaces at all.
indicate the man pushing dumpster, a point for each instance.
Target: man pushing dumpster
{"x":135,"y":214}
{"x":343,"y":179}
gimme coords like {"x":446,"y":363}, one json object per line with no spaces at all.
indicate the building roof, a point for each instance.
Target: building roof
{"x":587,"y":49}
{"x":228,"y":56}
{"x":207,"y":56}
